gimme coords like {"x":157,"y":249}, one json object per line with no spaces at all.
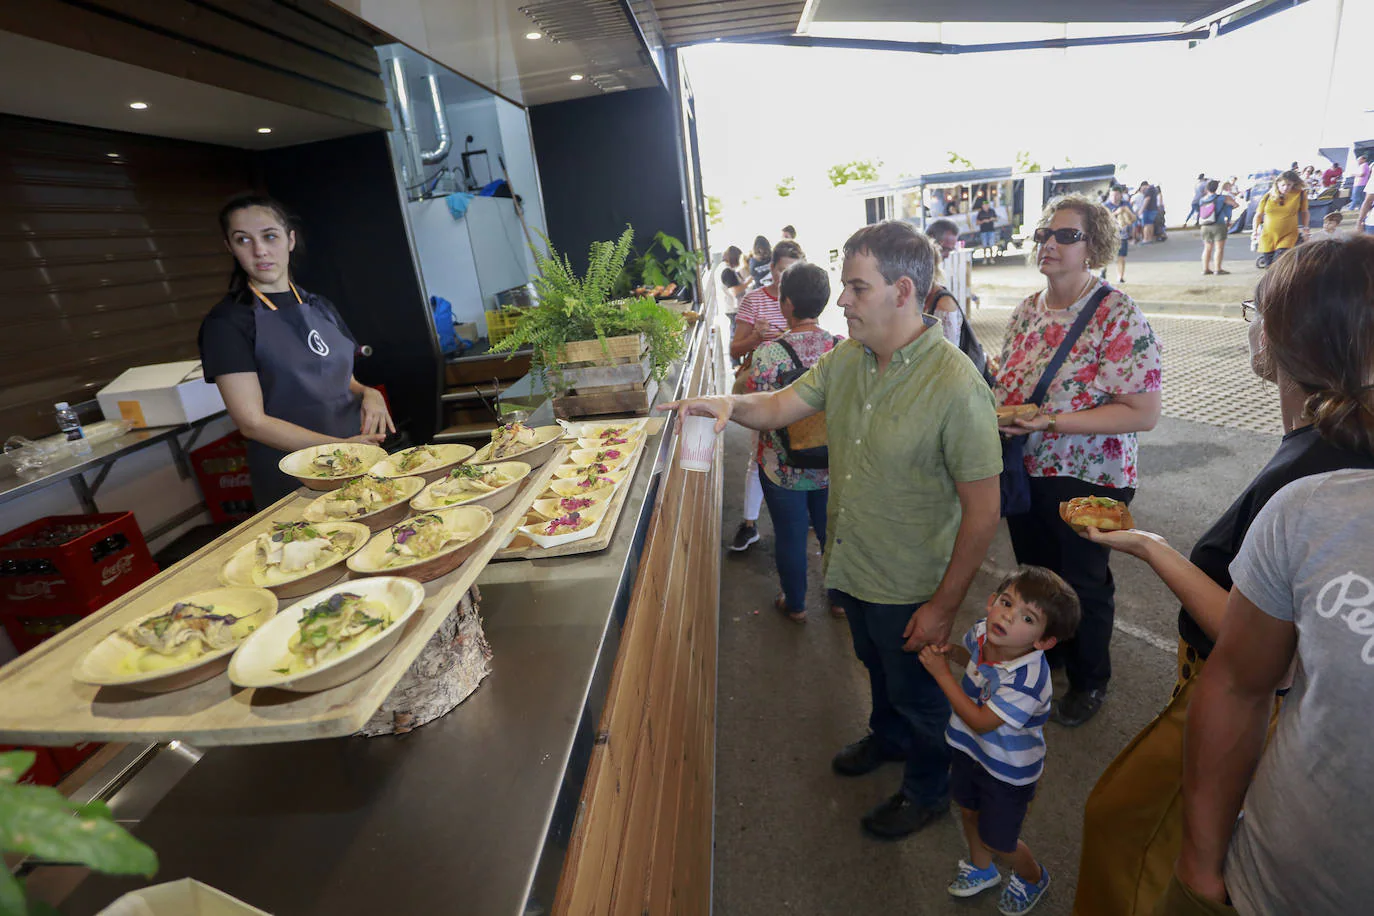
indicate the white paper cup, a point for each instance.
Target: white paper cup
{"x":698,"y":447}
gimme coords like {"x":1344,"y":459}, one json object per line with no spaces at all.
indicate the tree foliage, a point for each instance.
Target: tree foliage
{"x":856,"y":170}
{"x":786,"y":186}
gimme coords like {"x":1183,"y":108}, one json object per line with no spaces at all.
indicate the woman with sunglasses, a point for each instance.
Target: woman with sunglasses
{"x":1133,"y":823}
{"x":1083,"y":442}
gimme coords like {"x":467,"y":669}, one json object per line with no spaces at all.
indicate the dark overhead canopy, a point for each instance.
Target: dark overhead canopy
{"x":686,"y":22}
{"x":1017,"y":10}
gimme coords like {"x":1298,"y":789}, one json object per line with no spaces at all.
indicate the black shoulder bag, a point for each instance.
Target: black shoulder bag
{"x":803,"y":443}
{"x":1015,"y":481}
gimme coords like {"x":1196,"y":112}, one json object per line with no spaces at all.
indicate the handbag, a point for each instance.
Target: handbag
{"x":804,"y":442}
{"x":1015,"y":481}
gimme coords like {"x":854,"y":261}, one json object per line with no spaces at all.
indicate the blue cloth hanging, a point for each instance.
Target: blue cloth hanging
{"x":458,"y":204}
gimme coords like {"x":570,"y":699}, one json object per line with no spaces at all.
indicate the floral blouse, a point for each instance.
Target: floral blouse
{"x":1117,"y":354}
{"x":769,"y":360}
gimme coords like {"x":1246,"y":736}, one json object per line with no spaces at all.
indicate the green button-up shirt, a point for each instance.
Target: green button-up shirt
{"x":899,"y":440}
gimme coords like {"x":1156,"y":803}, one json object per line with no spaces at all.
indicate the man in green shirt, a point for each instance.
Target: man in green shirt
{"x":914,"y":500}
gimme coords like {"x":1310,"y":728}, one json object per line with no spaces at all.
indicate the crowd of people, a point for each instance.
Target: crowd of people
{"x":905,"y":481}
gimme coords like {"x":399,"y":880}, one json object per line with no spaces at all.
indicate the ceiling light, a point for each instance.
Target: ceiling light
{"x":113,"y":155}
{"x":575,"y":77}
{"x":534,"y":36}
{"x":264,"y":130}
{"x":138,"y":106}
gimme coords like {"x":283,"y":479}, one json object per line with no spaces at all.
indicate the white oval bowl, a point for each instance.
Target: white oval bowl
{"x":473,"y":521}
{"x":493,"y":499}
{"x":377,"y":519}
{"x":238,"y":569}
{"x":101,"y":667}
{"x":547,"y":439}
{"x":297,"y":464}
{"x":449,"y":454}
{"x":254,"y":664}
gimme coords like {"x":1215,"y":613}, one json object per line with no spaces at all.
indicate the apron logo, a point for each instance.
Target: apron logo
{"x":317,"y":344}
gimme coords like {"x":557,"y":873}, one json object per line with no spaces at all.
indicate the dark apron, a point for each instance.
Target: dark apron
{"x":305,"y":364}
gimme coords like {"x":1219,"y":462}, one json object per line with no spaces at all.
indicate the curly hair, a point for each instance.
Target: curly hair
{"x":1317,"y":308}
{"x":1103,"y":240}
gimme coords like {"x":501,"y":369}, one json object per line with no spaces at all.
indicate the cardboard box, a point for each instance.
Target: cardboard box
{"x":166,"y":394}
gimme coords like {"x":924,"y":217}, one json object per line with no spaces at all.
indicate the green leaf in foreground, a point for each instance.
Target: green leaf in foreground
{"x":14,"y":764}
{"x":38,"y":820}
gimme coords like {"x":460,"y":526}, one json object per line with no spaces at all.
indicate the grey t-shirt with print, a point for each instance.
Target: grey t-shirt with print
{"x":1303,"y":843}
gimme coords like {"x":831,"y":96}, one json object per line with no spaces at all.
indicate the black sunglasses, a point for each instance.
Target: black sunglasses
{"x":1062,"y":236}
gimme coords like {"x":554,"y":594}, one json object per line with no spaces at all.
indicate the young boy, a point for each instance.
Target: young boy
{"x":997,"y":728}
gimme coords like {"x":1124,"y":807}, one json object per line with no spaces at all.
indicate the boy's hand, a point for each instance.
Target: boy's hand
{"x":934,"y":660}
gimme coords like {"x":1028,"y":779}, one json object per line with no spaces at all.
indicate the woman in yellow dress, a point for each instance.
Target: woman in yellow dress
{"x":1281,"y":217}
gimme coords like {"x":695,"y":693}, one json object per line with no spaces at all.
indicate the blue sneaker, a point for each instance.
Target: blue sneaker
{"x":1021,"y":896}
{"x":970,"y":880}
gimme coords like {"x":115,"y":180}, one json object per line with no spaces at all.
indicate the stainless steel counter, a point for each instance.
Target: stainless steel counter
{"x":469,"y":814}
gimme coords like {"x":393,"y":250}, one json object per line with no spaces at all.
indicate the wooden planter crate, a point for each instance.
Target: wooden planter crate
{"x":604,"y":379}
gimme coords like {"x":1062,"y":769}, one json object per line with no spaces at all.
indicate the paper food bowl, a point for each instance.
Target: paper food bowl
{"x":377,"y":519}
{"x":238,"y":569}
{"x":115,"y":662}
{"x":260,"y":660}
{"x":631,"y":445}
{"x":583,"y":456}
{"x":184,"y":897}
{"x":470,"y":523}
{"x":449,"y":454}
{"x":549,"y":506}
{"x":495,"y":500}
{"x":570,"y":470}
{"x":535,"y":532}
{"x":297,"y":464}
{"x":547,"y":437}
{"x":569,"y":487}
{"x":594,"y":429}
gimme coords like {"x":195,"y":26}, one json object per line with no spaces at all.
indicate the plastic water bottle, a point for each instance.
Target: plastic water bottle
{"x":77,"y":443}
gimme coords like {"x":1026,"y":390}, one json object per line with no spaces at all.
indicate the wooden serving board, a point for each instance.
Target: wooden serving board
{"x":40,"y":703}
{"x":522,"y":548}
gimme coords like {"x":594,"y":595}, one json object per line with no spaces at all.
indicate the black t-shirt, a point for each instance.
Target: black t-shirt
{"x":1301,"y":454}
{"x":729,"y":278}
{"x":1151,"y":198}
{"x":987,"y":219}
{"x":760,"y":270}
{"x":229,"y":334}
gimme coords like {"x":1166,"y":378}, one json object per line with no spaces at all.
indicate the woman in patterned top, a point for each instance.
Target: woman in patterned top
{"x":796,"y":496}
{"x":1083,"y":443}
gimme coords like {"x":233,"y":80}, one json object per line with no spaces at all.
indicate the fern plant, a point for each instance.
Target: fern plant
{"x":573,"y":308}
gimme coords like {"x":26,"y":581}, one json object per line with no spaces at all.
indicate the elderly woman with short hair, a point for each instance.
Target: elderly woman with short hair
{"x":1083,"y":441}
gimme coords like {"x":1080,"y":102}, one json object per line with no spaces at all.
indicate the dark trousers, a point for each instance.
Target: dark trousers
{"x":794,"y":512}
{"x":910,"y":711}
{"x":1041,"y":538}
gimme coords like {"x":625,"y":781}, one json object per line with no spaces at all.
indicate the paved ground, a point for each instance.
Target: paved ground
{"x":787,"y":832}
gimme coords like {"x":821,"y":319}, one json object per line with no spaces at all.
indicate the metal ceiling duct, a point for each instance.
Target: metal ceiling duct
{"x":443,"y":140}
{"x":412,"y":171}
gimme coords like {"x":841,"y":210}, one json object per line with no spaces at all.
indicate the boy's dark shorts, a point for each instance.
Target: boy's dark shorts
{"x":1001,"y":806}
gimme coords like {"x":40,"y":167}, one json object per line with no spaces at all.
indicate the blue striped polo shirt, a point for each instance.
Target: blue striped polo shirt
{"x":1019,"y":691}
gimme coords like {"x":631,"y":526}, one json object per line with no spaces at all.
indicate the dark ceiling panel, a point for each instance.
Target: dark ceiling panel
{"x":1016,"y":10}
{"x":687,"y":21}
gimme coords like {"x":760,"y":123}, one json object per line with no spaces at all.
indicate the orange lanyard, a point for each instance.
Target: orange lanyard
{"x":268,"y":302}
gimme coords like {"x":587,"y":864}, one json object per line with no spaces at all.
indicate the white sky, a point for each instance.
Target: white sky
{"x":1258,"y":98}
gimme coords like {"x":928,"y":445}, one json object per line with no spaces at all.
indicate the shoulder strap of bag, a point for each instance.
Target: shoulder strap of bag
{"x":1080,"y":323}
{"x":791,"y":354}
{"x":943,"y":291}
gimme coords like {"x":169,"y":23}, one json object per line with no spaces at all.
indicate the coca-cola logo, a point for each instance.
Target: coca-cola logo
{"x":116,"y":569}
{"x":27,"y":591}
{"x":235,"y":480}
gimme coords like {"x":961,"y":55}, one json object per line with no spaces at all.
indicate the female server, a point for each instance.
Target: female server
{"x":282,"y":357}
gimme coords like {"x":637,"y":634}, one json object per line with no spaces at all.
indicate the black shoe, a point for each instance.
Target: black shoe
{"x":899,"y":816}
{"x":861,"y":758}
{"x":746,"y":535}
{"x":1078,"y":706}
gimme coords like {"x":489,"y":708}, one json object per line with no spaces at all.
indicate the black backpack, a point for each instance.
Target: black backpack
{"x":968,"y":341}
{"x":816,"y":456}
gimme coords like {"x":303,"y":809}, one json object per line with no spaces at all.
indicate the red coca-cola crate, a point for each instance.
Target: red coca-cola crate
{"x":69,"y":758}
{"x":75,"y":562}
{"x":221,"y":469}
{"x":44,"y":771}
{"x":27,"y":625}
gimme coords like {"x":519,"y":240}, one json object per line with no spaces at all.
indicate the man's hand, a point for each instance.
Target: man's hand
{"x":936,"y":662}
{"x":929,"y":625}
{"x":1203,"y":882}
{"x":720,"y":408}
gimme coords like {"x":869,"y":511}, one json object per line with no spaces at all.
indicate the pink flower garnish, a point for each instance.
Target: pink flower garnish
{"x":570,"y":504}
{"x":570,"y":520}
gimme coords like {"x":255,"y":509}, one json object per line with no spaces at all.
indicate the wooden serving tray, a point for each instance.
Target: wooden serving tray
{"x":522,"y":548}
{"x":40,"y":702}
